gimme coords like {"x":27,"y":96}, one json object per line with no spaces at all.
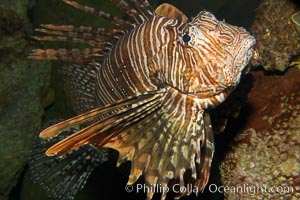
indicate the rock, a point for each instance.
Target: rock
{"x":276,"y":35}
{"x":23,"y":84}
{"x":266,"y":151}
{"x":296,"y":20}
{"x":14,"y":15}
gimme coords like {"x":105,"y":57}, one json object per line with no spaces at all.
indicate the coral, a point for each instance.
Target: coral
{"x":277,"y":38}
{"x":266,"y":152}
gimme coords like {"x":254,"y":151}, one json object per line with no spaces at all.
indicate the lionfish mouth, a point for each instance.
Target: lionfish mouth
{"x":201,"y":94}
{"x":252,"y":55}
{"x":245,"y":53}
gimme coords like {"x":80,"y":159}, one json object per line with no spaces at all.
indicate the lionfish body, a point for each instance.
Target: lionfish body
{"x":151,"y":82}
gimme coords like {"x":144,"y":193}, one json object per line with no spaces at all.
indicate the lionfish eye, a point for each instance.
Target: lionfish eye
{"x":186,"y":38}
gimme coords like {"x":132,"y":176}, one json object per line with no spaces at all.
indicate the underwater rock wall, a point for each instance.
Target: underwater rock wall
{"x":23,"y":84}
{"x":266,"y":152}
{"x":277,"y":38}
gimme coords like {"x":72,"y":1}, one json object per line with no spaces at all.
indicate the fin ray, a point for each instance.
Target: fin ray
{"x":64,"y":176}
{"x":89,"y":40}
{"x":54,"y":130}
{"x":81,"y":29}
{"x":168,"y":148}
{"x":80,"y":86}
{"x":85,"y":35}
{"x":204,"y":165}
{"x":143,"y":7}
{"x":115,"y":20}
{"x":170,"y":11}
{"x":80,"y":56}
{"x":132,"y":12}
{"x":120,"y":116}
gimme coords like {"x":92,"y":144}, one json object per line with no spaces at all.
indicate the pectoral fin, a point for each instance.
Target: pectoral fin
{"x":104,"y":123}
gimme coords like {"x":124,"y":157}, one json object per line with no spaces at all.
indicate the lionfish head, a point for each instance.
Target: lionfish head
{"x":220,"y":52}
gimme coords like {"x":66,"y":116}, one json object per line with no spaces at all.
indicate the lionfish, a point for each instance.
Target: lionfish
{"x":145,"y":85}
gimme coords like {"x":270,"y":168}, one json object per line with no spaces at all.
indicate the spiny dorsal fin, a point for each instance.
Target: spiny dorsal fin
{"x":114,"y":20}
{"x":139,"y":11}
{"x":170,"y":11}
{"x":99,"y":38}
{"x":91,"y":36}
{"x":79,"y":56}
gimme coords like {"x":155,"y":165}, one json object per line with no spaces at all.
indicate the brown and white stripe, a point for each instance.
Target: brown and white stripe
{"x":154,"y":78}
